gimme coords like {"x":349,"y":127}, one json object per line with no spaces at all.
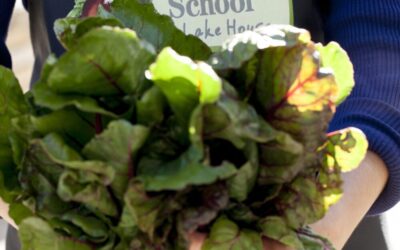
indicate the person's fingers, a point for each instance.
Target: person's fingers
{"x":196,"y":241}
{"x":270,"y":244}
{"x":91,"y":7}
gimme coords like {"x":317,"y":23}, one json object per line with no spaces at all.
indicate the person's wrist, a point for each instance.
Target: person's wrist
{"x":361,"y":189}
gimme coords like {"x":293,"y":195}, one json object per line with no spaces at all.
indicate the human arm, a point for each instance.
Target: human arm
{"x":361,"y":189}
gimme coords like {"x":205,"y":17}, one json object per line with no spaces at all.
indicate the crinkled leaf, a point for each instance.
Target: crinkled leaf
{"x":151,"y":107}
{"x":75,"y":127}
{"x":234,"y":120}
{"x":45,"y":97}
{"x":240,"y":212}
{"x":226,"y":235}
{"x":36,"y":183}
{"x":127,"y":227}
{"x":275,"y":227}
{"x":69,"y":30}
{"x":106,"y":61}
{"x":185,"y":171}
{"x":41,"y":171}
{"x":343,"y":152}
{"x":336,"y":58}
{"x":44,"y":174}
{"x":242,"y":183}
{"x":36,"y":234}
{"x":145,"y":210}
{"x":211,"y":200}
{"x":22,"y":132}
{"x":92,"y":193}
{"x":39,"y":159}
{"x":184,"y":82}
{"x":301,"y":202}
{"x":118,"y":146}
{"x":348,"y":147}
{"x":280,"y":160}
{"x":264,"y":195}
{"x":165,"y":143}
{"x":159,"y":30}
{"x":91,"y":226}
{"x":65,"y":227}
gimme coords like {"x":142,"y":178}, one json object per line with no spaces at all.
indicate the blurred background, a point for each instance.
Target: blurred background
{"x":18,"y":42}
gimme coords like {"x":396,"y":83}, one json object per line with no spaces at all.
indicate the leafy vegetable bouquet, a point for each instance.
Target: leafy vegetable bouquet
{"x":139,"y":135}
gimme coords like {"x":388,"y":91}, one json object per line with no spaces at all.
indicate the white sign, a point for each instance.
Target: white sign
{"x":215,"y":20}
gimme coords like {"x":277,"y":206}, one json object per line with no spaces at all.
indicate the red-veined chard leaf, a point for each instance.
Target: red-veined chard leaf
{"x":69,"y":30}
{"x":280,"y":160}
{"x":159,"y":30}
{"x":106,"y":61}
{"x":210,"y":200}
{"x":186,"y":170}
{"x":144,"y":210}
{"x":278,"y":69}
{"x":118,"y":146}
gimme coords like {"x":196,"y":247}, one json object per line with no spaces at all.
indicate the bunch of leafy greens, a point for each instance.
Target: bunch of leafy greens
{"x":130,"y":141}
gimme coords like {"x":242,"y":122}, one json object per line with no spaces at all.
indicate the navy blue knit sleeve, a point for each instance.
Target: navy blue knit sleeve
{"x":6,"y":8}
{"x":370,"y":32}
